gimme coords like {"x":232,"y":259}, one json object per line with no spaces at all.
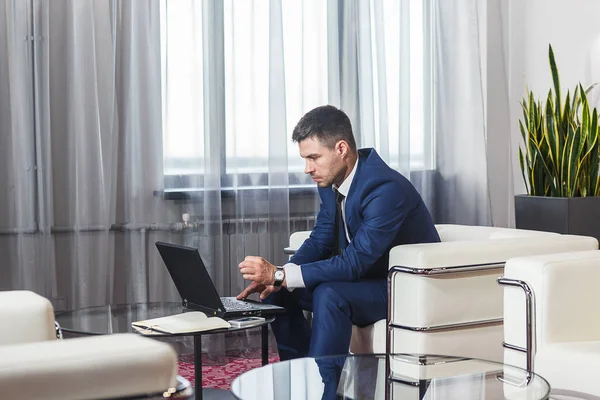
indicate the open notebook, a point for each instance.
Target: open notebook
{"x":188,"y":322}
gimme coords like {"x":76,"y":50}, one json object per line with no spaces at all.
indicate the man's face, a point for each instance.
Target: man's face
{"x":324,"y":165}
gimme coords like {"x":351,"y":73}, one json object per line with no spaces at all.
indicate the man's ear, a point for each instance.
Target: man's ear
{"x":342,"y":148}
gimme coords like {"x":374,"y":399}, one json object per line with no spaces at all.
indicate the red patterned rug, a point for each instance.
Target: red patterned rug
{"x":221,"y":376}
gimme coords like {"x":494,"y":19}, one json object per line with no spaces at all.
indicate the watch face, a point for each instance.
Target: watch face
{"x":279,"y":275}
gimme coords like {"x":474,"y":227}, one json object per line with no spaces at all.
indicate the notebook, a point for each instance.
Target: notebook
{"x":197,"y":290}
{"x":188,"y":322}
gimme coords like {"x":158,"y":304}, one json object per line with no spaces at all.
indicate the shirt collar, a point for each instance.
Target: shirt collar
{"x":345,"y":186}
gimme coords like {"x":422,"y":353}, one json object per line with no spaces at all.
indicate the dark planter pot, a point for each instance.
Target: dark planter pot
{"x":576,"y":216}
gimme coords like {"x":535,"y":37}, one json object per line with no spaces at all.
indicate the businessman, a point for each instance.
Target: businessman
{"x":340,"y":271}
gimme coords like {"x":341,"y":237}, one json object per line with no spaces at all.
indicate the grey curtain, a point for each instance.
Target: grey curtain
{"x":82,"y":148}
{"x":459,"y":54}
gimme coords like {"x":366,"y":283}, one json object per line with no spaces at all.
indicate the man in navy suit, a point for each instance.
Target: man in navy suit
{"x":340,"y":271}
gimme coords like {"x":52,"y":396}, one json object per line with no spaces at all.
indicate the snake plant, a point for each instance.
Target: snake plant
{"x":560,"y":156}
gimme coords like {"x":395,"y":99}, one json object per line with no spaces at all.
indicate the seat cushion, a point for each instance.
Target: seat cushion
{"x":571,"y":366}
{"x":369,"y":339}
{"x":96,"y":367}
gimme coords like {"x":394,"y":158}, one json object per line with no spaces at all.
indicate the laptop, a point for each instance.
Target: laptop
{"x":197,"y":290}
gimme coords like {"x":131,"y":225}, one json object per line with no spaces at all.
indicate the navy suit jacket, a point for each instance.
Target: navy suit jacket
{"x":383,"y":210}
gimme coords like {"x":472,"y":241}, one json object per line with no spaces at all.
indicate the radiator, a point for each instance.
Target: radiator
{"x":96,"y":265}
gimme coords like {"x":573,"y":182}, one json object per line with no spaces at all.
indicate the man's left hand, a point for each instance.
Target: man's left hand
{"x":258,"y":269}
{"x":268,"y":290}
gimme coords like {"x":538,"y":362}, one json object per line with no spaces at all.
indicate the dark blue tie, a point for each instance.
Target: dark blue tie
{"x":339,"y":224}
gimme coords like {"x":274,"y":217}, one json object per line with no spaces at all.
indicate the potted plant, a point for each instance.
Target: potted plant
{"x":559,"y":162}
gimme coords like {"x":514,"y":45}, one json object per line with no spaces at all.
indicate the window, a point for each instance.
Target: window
{"x":408,"y":100}
{"x":247,"y":72}
{"x":247,"y":146}
{"x":182,"y":88}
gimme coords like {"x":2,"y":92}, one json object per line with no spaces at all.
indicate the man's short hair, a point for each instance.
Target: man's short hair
{"x":328,"y":124}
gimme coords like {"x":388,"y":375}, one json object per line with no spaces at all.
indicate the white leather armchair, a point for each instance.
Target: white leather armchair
{"x":551,"y":323}
{"x":444,"y":298}
{"x":35,"y":365}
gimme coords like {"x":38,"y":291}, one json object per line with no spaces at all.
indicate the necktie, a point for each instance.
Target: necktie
{"x":338,"y":226}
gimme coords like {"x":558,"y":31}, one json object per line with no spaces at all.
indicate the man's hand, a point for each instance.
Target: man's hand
{"x":268,"y":290}
{"x":258,"y":269}
{"x":254,"y":287}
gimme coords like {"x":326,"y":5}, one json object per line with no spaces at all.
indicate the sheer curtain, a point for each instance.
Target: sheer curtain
{"x":412,"y":80}
{"x":384,"y":82}
{"x":82,"y":150}
{"x":462,"y":189}
{"x":228,"y":134}
{"x":20,"y":240}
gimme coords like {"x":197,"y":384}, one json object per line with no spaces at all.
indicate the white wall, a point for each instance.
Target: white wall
{"x":573,"y":29}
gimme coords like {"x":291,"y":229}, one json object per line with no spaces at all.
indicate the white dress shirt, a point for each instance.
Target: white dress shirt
{"x":293,"y":272}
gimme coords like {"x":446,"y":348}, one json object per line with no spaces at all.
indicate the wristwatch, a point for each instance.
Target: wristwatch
{"x":279,"y":276}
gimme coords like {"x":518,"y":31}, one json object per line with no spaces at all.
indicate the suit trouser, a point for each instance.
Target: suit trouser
{"x":336,"y":306}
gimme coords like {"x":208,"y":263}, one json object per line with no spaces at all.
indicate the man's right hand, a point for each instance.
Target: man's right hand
{"x":252,"y":288}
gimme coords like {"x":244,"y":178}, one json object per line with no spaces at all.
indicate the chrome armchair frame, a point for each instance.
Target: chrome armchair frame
{"x":448,"y":327}
{"x":529,"y":350}
{"x":436,"y":328}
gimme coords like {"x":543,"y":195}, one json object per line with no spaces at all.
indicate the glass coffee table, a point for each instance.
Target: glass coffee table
{"x":415,"y":377}
{"x":103,"y":320}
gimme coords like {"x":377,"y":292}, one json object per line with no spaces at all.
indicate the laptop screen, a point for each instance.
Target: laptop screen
{"x":190,"y":275}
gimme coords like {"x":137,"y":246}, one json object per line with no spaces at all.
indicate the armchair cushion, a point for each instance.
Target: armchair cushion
{"x":367,"y":340}
{"x":444,"y":299}
{"x":423,"y":301}
{"x":566,"y":296}
{"x":566,"y":332}
{"x":29,"y":315}
{"x":574,"y":366}
{"x":34,"y":365}
{"x":371,"y":340}
{"x":96,"y":367}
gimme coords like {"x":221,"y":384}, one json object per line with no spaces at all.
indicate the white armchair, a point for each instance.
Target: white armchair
{"x":551,"y":323}
{"x":444,"y":298}
{"x":35,"y":365}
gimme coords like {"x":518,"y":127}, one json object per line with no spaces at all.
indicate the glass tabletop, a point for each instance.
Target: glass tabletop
{"x":415,"y":377}
{"x":102,"y":320}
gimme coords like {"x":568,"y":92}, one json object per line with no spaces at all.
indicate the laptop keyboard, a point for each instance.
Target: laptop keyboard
{"x":232,"y":304}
